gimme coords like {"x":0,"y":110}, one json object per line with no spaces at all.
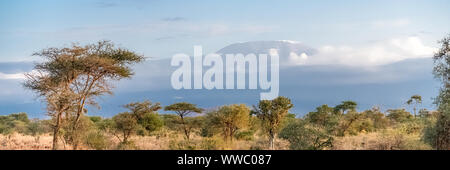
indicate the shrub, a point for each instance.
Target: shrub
{"x":304,"y":136}
{"x":35,"y":128}
{"x":151,"y":122}
{"x":126,"y":125}
{"x":399,"y":115}
{"x":96,"y":140}
{"x":438,"y":135}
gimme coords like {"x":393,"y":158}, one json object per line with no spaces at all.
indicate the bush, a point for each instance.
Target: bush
{"x":438,"y":135}
{"x":304,"y":136}
{"x":35,"y":128}
{"x":151,"y":122}
{"x":399,"y":115}
{"x":125,"y":124}
{"x":96,"y":140}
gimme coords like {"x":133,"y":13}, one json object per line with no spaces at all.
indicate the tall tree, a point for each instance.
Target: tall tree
{"x":415,"y":99}
{"x":70,"y":78}
{"x":271,"y":113}
{"x":184,"y":109}
{"x":442,"y":72}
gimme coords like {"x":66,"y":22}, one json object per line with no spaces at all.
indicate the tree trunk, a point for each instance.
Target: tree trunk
{"x":56,"y":131}
{"x":271,"y":145}
{"x":186,"y":131}
{"x":271,"y":141}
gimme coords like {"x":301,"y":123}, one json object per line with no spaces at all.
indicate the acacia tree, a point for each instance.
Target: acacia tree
{"x":415,"y":99}
{"x":345,"y":106}
{"x":184,"y":109}
{"x":230,"y":119}
{"x":70,"y":78}
{"x":271,"y":113}
{"x":51,"y":80}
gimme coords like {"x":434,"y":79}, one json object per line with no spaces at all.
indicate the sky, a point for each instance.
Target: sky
{"x":370,"y":45}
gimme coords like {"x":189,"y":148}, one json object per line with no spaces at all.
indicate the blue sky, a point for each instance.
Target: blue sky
{"x":154,"y":26}
{"x":391,"y":34}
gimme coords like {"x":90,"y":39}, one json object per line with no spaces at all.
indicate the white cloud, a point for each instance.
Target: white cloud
{"x":4,"y":76}
{"x":298,"y":59}
{"x":373,"y":54}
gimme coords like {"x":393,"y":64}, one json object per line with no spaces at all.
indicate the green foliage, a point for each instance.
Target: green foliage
{"x":142,"y":119}
{"x":96,"y":140}
{"x":184,"y":109}
{"x":229,"y":119}
{"x":35,"y":128}
{"x":325,"y":117}
{"x":378,"y":119}
{"x":16,"y":122}
{"x":438,"y":135}
{"x":151,"y":122}
{"x":305,"y":136}
{"x":76,"y":136}
{"x":345,"y":106}
{"x":171,"y":121}
{"x":399,"y":115}
{"x":95,"y":119}
{"x":125,"y":125}
{"x":272,"y":113}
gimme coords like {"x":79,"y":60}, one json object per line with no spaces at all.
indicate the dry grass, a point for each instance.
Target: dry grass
{"x":25,"y":142}
{"x":389,"y":139}
{"x":156,"y":142}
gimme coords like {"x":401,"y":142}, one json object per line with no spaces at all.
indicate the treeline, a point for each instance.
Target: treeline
{"x":217,"y":128}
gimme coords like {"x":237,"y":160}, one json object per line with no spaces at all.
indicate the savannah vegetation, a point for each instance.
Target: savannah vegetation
{"x":71,"y":78}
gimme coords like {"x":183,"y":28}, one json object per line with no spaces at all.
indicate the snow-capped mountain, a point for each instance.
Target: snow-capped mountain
{"x":290,"y":52}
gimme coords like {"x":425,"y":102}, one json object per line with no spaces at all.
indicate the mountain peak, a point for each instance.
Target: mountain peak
{"x":288,"y":50}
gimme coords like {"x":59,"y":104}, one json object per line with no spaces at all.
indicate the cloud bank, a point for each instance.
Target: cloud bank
{"x":372,"y":54}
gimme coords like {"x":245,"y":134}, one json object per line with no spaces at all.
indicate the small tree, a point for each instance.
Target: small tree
{"x":230,"y":119}
{"x":184,"y":109}
{"x":271,"y":113}
{"x":146,"y":114}
{"x":399,"y":115}
{"x":125,"y":125}
{"x":416,"y":99}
